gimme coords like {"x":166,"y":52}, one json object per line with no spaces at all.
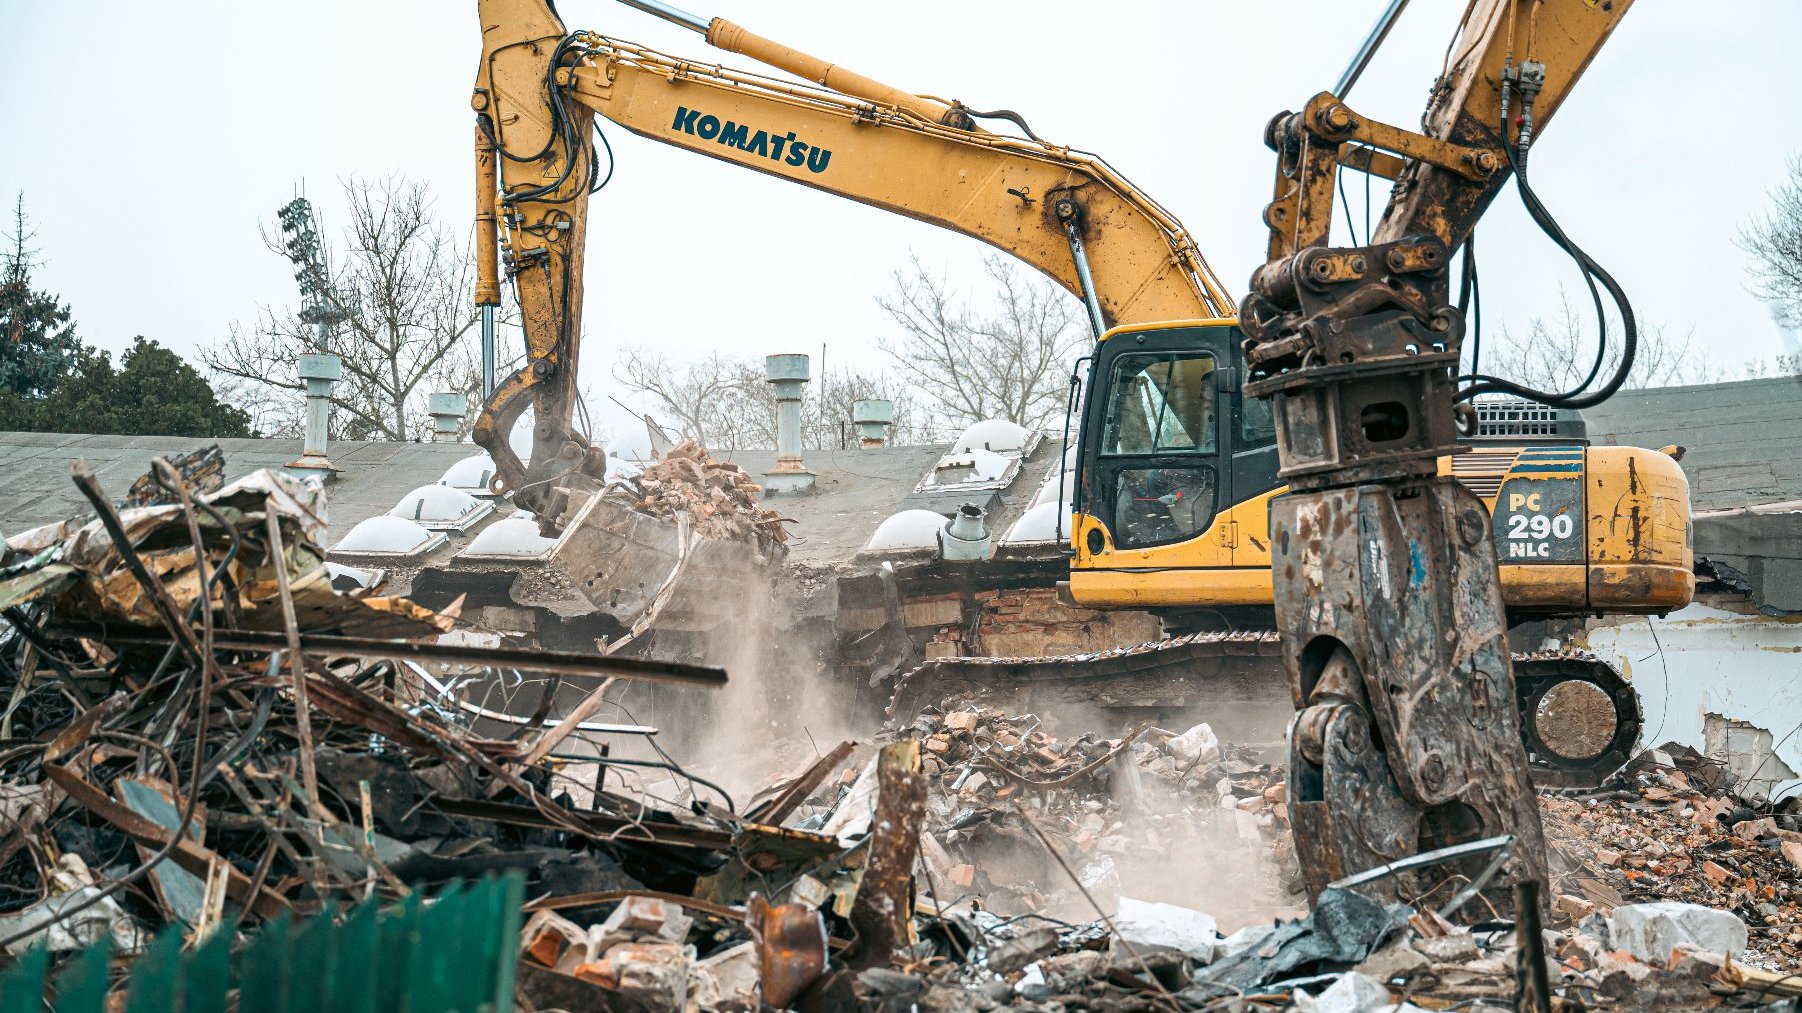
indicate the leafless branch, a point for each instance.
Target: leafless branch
{"x":1008,"y":360}
{"x":405,"y":329}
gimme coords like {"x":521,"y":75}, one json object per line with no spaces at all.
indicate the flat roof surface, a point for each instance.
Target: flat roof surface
{"x":35,"y":487}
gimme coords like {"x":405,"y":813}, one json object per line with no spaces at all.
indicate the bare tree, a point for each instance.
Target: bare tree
{"x":404,"y":319}
{"x":1556,"y":354}
{"x":1009,"y":359}
{"x":1774,"y":241}
{"x":727,"y":403}
{"x":715,"y":401}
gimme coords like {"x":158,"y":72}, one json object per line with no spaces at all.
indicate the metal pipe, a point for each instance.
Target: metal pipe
{"x":1090,"y":300}
{"x":487,"y":351}
{"x":674,"y":15}
{"x":788,"y":375}
{"x":1372,"y":42}
{"x":488,"y":283}
{"x":723,"y":34}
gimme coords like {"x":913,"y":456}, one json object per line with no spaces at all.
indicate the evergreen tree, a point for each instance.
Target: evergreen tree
{"x":152,"y":392}
{"x":38,"y":345}
{"x":50,"y":381}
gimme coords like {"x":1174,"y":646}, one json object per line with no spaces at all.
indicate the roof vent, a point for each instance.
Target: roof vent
{"x":872,"y":417}
{"x":1040,"y":524}
{"x":447,"y":409}
{"x":909,"y":529}
{"x":388,"y":536}
{"x":441,"y":508}
{"x":513,"y":538}
{"x":967,"y":536}
{"x":788,"y":374}
{"x":319,"y":372}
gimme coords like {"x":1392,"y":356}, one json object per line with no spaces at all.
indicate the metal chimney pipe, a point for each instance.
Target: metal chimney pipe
{"x":447,"y":409}
{"x":320,"y":372}
{"x":788,"y":374}
{"x":873,"y":418}
{"x":966,"y":535}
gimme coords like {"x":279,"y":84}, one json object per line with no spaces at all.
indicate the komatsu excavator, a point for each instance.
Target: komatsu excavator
{"x":1181,"y":467}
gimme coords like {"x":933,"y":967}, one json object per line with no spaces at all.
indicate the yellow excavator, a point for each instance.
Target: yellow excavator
{"x":1176,"y":467}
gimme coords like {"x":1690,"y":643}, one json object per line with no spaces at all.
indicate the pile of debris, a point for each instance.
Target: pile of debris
{"x":717,"y":498}
{"x":1014,"y":809}
{"x":199,"y":730}
{"x":1671,"y":831}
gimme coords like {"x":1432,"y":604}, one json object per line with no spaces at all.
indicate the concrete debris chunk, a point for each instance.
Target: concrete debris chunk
{"x":1650,"y":932}
{"x":727,"y":981}
{"x":1456,"y":948}
{"x":641,"y":919}
{"x":1145,"y":924}
{"x":1023,"y":949}
{"x":1197,"y":745}
{"x":654,"y":976}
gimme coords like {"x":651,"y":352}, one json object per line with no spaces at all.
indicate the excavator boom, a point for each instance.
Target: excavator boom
{"x":1068,"y":214}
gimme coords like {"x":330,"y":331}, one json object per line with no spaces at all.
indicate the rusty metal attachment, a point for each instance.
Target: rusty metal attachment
{"x":1393,"y":629}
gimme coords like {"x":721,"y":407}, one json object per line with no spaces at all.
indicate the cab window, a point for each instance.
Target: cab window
{"x":1162,"y":404}
{"x":1163,"y":408}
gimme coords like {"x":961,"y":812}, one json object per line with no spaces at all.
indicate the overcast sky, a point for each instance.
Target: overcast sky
{"x":150,"y":139}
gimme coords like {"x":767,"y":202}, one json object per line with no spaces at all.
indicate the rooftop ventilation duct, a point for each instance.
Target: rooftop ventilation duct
{"x":788,"y":374}
{"x":872,"y":417}
{"x":447,"y":411}
{"x":967,"y":534}
{"x":320,"y":372}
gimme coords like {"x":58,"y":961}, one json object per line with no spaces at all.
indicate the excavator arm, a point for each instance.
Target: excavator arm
{"x":1386,"y":589}
{"x":1068,"y":214}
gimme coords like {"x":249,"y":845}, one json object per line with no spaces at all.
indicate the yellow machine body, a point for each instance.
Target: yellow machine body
{"x":1578,"y":529}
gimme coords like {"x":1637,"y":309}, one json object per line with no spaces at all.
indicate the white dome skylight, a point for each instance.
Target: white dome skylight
{"x":470,"y":475}
{"x":909,"y":529}
{"x":998,"y":435}
{"x":1040,"y":524}
{"x":1049,"y":492}
{"x":441,"y":507}
{"x":388,"y":536}
{"x":509,"y":538}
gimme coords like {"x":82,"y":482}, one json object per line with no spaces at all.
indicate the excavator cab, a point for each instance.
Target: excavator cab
{"x":1176,"y":469}
{"x":1170,"y":455}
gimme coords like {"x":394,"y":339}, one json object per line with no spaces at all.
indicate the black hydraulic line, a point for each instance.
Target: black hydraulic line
{"x":1579,"y":396}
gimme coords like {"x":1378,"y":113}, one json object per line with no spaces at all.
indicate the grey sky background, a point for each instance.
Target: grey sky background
{"x":150,"y":139}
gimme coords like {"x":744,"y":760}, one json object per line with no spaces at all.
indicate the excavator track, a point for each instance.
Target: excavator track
{"x":1575,"y":736}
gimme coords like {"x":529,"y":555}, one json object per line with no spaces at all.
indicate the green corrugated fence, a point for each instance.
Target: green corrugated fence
{"x":453,"y":955}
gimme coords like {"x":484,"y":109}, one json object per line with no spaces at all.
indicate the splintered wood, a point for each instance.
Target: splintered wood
{"x":719,"y":499}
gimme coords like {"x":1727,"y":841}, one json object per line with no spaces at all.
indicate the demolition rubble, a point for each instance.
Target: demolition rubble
{"x":200,"y":730}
